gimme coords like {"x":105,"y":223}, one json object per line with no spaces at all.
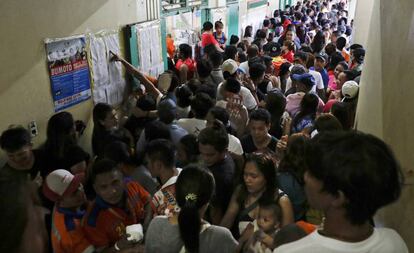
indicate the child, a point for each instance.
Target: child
{"x":219,"y":35}
{"x":268,"y":224}
{"x":288,"y":50}
{"x":66,"y":191}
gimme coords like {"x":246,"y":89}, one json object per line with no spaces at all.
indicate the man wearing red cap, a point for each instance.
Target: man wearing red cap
{"x":66,"y":191}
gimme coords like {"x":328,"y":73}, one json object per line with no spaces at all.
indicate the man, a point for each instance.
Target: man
{"x":252,"y":53}
{"x":304,"y":84}
{"x":199,"y":106}
{"x":21,"y":158}
{"x":290,"y":84}
{"x":301,"y":58}
{"x":233,"y":103}
{"x":319,"y":65}
{"x":273,"y":50}
{"x":258,"y":85}
{"x":66,"y":191}
{"x":230,"y":70}
{"x":22,"y":226}
{"x":341,"y":46}
{"x":216,"y":75}
{"x":204,"y":69}
{"x":167,"y":111}
{"x":118,"y":203}
{"x":160,"y":156}
{"x":24,"y":163}
{"x":213,"y":143}
{"x":349,"y":189}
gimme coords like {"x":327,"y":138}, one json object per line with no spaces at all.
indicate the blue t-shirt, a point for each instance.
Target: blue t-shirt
{"x":289,"y":185}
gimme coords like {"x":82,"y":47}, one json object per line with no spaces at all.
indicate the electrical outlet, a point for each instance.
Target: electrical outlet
{"x":33,"y":129}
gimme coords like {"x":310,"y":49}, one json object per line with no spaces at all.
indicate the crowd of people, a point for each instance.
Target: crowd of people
{"x":242,"y":145}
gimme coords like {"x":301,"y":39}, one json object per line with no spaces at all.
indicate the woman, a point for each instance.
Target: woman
{"x":183,"y":94}
{"x":302,"y":34}
{"x":104,"y":120}
{"x":185,"y":65}
{"x":259,"y":183}
{"x":304,"y":120}
{"x":259,"y":138}
{"x":61,"y":150}
{"x":221,"y":114}
{"x":284,"y":74}
{"x":290,"y":34}
{"x":276,"y":104}
{"x":318,"y":42}
{"x":187,"y":231}
{"x":248,"y":34}
{"x":339,"y":68}
{"x":290,"y":174}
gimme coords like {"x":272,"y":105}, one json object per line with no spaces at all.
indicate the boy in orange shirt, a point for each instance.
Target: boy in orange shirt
{"x":66,"y":191}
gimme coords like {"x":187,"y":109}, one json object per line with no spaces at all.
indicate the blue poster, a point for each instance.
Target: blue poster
{"x":69,"y":71}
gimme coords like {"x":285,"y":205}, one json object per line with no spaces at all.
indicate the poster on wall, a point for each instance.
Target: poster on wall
{"x":69,"y":71}
{"x":108,"y":81}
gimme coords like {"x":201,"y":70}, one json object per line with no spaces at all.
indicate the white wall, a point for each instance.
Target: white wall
{"x":362,"y":20}
{"x":386,"y":105}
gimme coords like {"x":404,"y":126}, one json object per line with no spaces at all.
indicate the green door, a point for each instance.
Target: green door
{"x":205,"y":16}
{"x":283,"y":3}
{"x":232,"y":20}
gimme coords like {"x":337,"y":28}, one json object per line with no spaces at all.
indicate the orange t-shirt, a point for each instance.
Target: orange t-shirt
{"x":307,"y":227}
{"x":277,"y":62}
{"x":346,"y":55}
{"x":170,"y":47}
{"x":67,"y":234}
{"x":105,"y":224}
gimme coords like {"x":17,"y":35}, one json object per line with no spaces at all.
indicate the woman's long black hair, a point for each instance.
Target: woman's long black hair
{"x":194,"y":189}
{"x":60,"y":134}
{"x":100,"y":111}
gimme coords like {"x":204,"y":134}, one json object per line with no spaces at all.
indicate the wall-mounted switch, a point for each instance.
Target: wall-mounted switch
{"x":33,"y":128}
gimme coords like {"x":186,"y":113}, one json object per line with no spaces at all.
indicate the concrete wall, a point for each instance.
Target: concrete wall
{"x":362,"y":20}
{"x":25,"y":92}
{"x":386,"y":105}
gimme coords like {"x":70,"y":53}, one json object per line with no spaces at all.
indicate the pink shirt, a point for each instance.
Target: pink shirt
{"x":293,"y":103}
{"x":331,"y":82}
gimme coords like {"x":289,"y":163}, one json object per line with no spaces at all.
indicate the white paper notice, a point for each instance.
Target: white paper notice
{"x":99,"y":62}
{"x":109,"y":83}
{"x":149,"y":48}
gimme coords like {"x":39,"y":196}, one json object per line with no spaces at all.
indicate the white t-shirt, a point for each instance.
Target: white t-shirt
{"x":235,"y":145}
{"x":248,"y":98}
{"x":318,"y":80}
{"x":233,"y":122}
{"x":382,"y":240}
{"x":192,"y":125}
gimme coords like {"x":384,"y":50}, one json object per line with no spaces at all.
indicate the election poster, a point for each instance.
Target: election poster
{"x":69,"y":71}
